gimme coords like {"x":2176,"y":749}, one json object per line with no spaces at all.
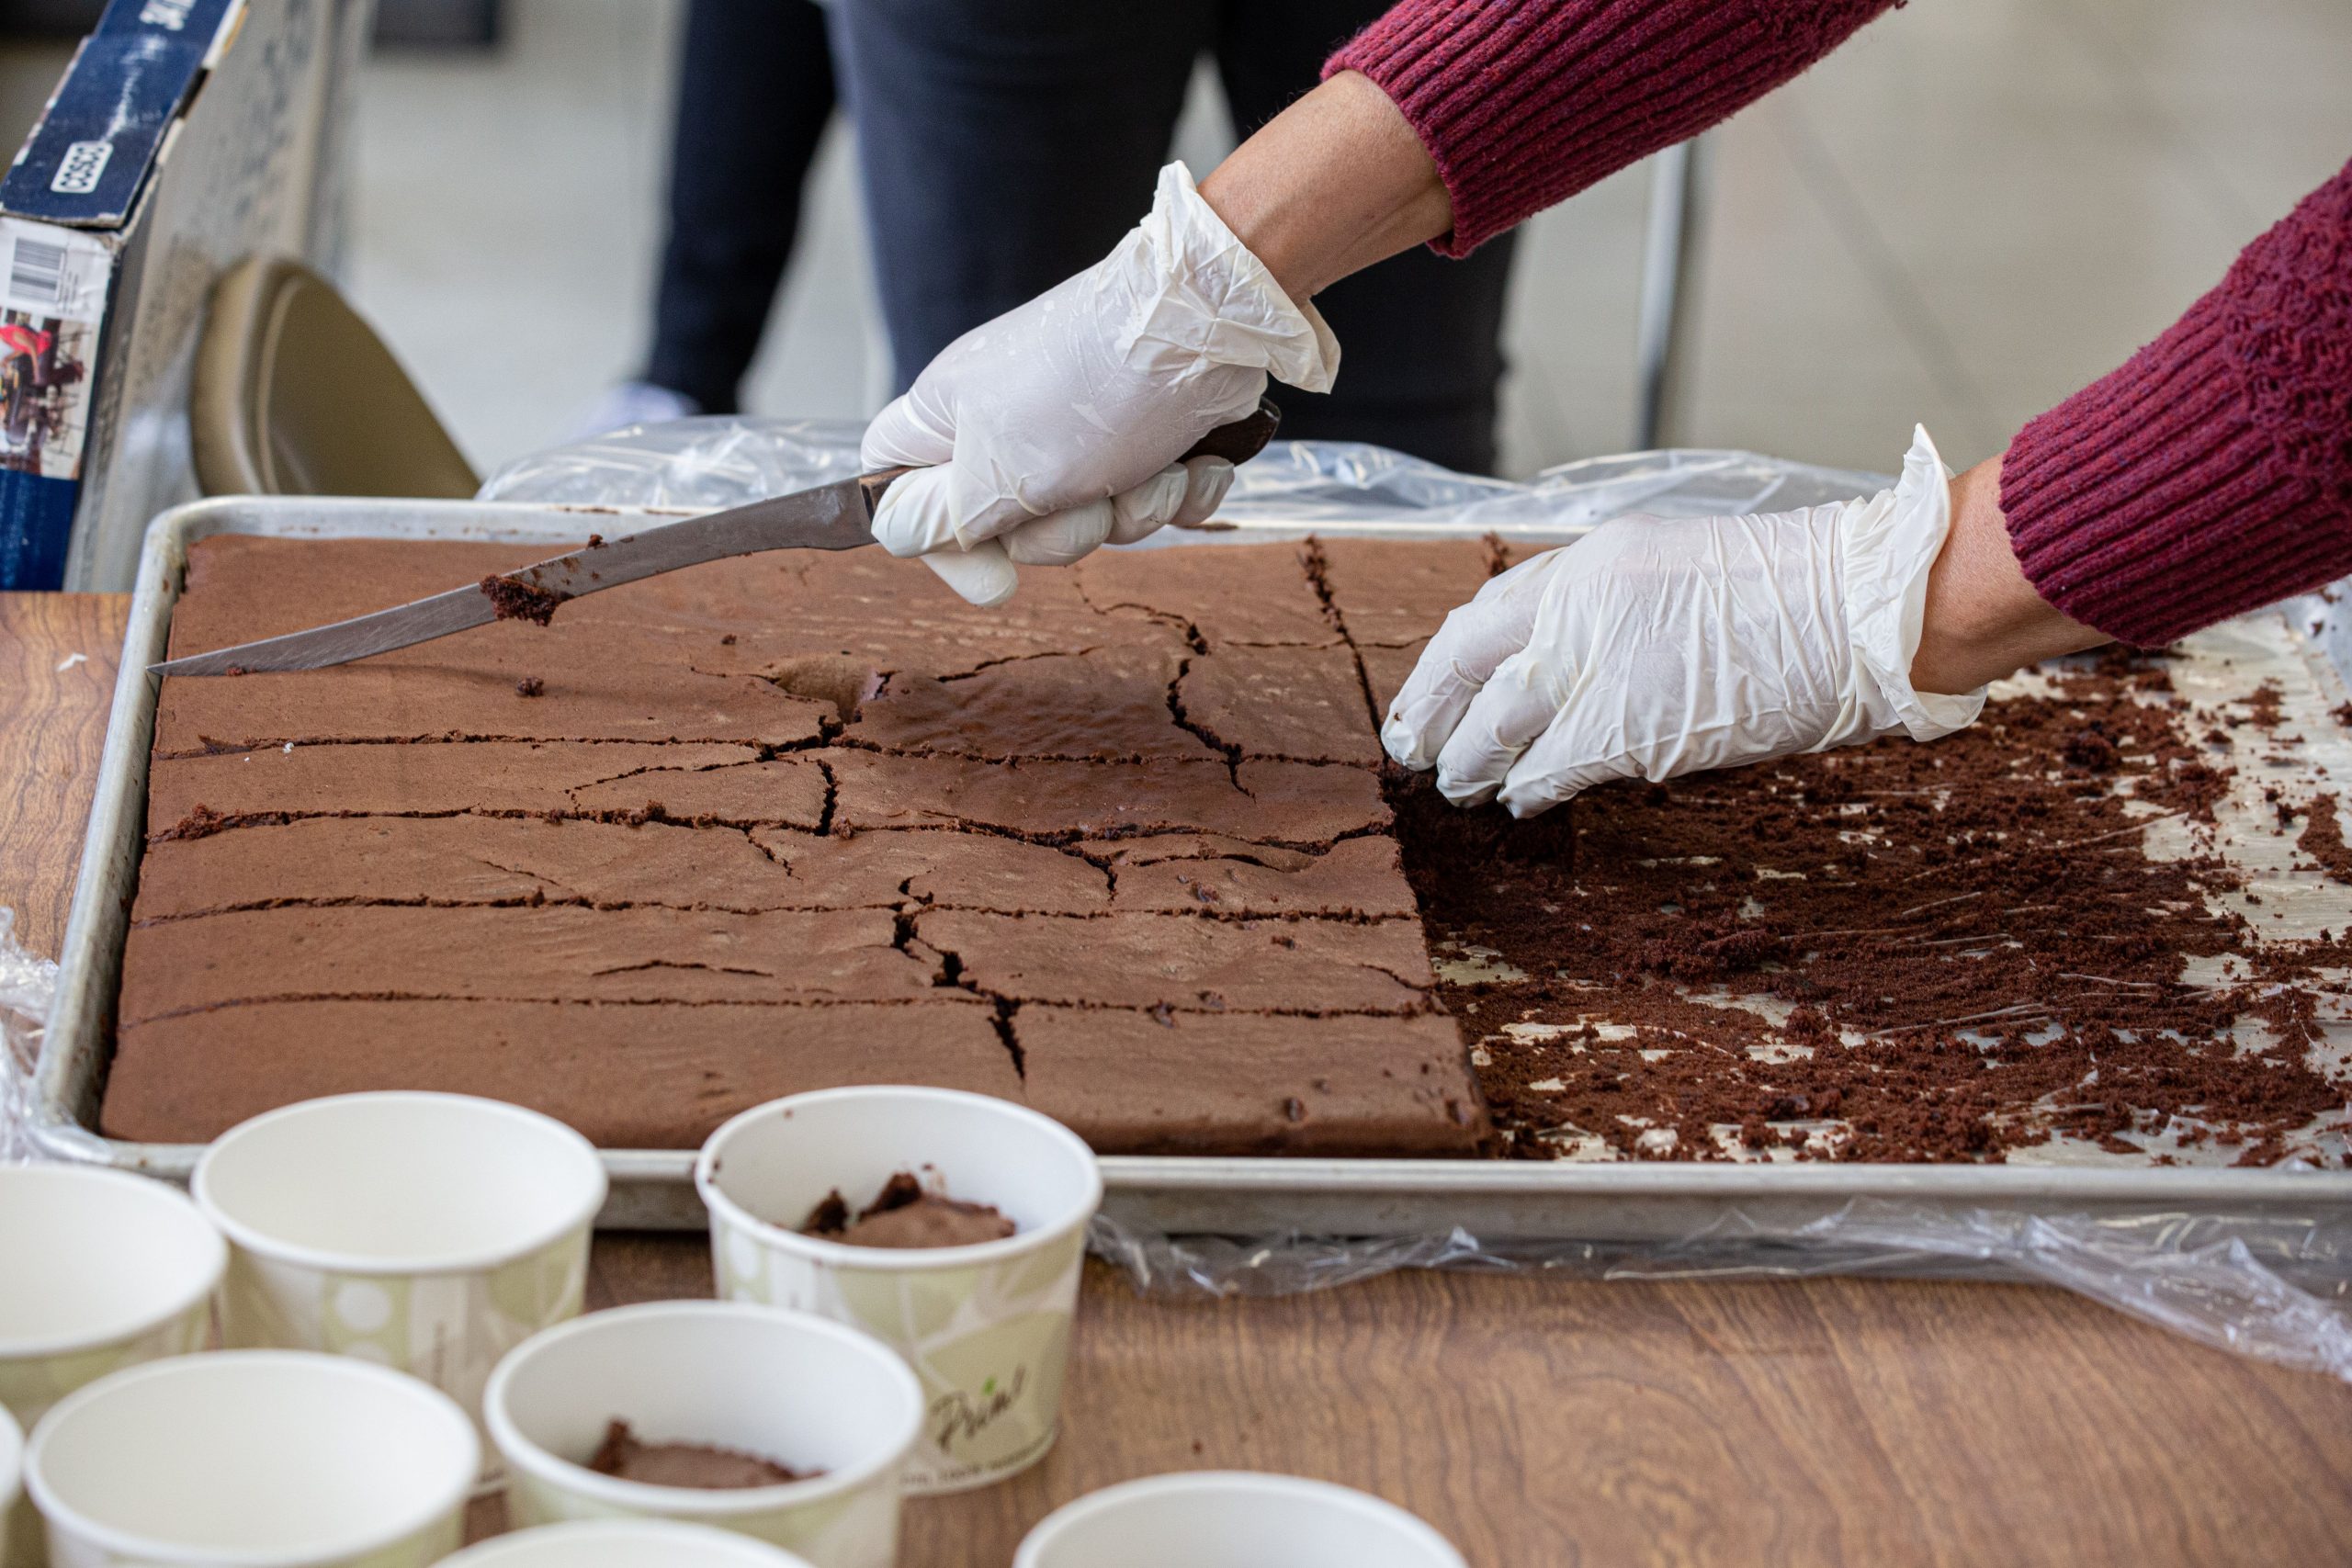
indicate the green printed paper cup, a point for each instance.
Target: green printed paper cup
{"x":625,"y":1543}
{"x":1233,"y":1519}
{"x":808,"y":1394}
{"x":256,"y":1458}
{"x":985,"y":1327}
{"x":99,"y":1270}
{"x":429,"y":1232}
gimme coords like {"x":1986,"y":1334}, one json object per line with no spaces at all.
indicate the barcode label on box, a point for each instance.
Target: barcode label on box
{"x":36,"y":272}
{"x":51,"y":272}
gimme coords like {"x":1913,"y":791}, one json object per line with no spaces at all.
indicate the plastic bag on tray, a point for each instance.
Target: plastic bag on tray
{"x":728,"y":461}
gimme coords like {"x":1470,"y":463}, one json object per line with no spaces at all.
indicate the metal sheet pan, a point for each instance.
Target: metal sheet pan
{"x":651,"y":1188}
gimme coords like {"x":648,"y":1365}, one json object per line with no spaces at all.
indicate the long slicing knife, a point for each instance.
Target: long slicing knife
{"x":830,"y":517}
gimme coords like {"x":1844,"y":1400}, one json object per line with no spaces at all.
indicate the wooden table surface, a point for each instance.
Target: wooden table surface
{"x":1537,"y":1422}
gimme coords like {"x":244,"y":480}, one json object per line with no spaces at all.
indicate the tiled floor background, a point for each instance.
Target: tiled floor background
{"x":1973,"y":207}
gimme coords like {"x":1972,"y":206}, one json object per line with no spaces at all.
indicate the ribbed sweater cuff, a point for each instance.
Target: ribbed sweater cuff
{"x":1523,"y":103}
{"x":2211,"y":472}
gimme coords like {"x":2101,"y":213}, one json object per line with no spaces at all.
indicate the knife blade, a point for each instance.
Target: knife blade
{"x":837,"y":517}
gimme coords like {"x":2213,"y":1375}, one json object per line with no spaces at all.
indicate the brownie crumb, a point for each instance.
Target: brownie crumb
{"x":529,"y":686}
{"x":202,"y":822}
{"x":596,"y":541}
{"x":2091,"y":751}
{"x":512,"y":599}
{"x":2323,"y":838}
{"x":830,"y":1217}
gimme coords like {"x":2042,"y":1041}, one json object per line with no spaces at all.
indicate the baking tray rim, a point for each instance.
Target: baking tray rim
{"x":70,"y":1069}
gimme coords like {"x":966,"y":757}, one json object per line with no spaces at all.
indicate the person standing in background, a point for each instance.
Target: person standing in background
{"x":1006,"y":144}
{"x":755,"y":91}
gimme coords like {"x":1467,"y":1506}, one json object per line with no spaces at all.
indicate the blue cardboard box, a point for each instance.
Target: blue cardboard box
{"x":184,"y":135}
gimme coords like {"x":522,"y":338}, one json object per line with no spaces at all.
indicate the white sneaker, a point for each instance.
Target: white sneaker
{"x":633,"y":402}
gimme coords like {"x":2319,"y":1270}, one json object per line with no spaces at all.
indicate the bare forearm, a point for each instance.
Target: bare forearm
{"x":1333,"y":184}
{"x":1983,"y":620}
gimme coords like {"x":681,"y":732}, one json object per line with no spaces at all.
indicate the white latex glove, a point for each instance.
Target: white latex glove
{"x":1054,"y":428}
{"x":1651,"y":648}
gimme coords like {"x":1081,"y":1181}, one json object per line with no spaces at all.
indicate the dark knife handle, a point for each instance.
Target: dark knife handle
{"x":1236,"y":442}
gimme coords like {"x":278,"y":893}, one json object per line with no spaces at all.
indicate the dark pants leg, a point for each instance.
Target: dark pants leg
{"x":1005,"y":145}
{"x":1421,"y":336}
{"x":755,"y":88}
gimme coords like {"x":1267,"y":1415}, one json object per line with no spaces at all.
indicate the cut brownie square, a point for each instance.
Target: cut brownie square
{"x":1302,"y":704}
{"x":1225,"y":595}
{"x":1191,"y":874}
{"x":1393,"y":593}
{"x":1187,"y":963}
{"x":656,"y":1076}
{"x":1136,"y":1083}
{"x":1272,"y":801}
{"x":552,"y":953}
{"x":469,"y":860}
{"x":185,"y":794}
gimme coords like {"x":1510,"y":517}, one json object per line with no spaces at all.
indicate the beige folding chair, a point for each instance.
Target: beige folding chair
{"x":295,"y":395}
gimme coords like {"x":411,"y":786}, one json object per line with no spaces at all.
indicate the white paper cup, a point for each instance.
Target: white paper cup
{"x":431,"y":1233}
{"x":12,"y":1475}
{"x":1233,"y":1519}
{"x":625,"y":1543}
{"x":986,"y":1328}
{"x":99,"y":1270}
{"x":808,"y":1394}
{"x":260,"y":1458}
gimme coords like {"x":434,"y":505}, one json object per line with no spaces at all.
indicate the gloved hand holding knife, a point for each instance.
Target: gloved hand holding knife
{"x":1056,"y":427}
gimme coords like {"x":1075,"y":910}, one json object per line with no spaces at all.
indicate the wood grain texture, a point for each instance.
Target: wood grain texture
{"x":1537,"y":1422}
{"x":1563,"y":1421}
{"x":52,"y":727}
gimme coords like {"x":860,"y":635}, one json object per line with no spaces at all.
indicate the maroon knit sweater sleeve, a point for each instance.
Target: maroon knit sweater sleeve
{"x":2212,"y":472}
{"x":1523,"y":103}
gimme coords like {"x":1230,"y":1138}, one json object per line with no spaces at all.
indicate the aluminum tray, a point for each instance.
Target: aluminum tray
{"x":1600,"y":1202}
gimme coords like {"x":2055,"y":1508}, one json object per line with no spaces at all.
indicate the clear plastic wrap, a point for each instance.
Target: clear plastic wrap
{"x":28,"y":986}
{"x":724,"y":461}
{"x":2272,"y":1288}
{"x":712,"y":462}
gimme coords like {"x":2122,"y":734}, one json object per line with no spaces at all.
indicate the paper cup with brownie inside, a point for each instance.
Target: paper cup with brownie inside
{"x":430,"y":1232}
{"x":778,"y":1425}
{"x":949,"y":1225}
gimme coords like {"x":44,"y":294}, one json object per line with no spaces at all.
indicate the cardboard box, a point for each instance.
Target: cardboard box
{"x":184,"y":136}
